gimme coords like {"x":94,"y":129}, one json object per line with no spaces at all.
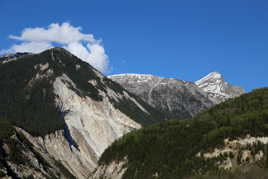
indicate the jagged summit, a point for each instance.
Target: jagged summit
{"x":217,"y":88}
{"x":212,"y":75}
{"x":211,"y":82}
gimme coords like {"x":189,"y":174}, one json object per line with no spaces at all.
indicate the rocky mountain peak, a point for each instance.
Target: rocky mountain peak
{"x":178,"y":98}
{"x":217,"y":88}
{"x":173,"y":97}
{"x":213,"y":82}
{"x":213,"y":75}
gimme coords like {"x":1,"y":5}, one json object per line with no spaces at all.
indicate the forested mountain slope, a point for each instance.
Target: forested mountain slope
{"x":230,"y":136}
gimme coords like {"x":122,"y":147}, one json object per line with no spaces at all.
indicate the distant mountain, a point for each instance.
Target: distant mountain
{"x":10,"y":56}
{"x":217,"y":89}
{"x":58,"y":114}
{"x":177,"y":98}
{"x":227,"y":141}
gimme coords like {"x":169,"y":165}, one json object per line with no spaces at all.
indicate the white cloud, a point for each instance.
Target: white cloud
{"x":34,"y":47}
{"x":84,"y":46}
{"x":64,"y":33}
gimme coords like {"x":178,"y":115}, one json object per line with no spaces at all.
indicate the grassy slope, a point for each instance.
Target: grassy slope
{"x":170,"y":148}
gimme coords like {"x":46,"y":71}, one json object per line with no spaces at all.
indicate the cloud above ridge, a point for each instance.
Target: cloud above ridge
{"x":84,"y":46}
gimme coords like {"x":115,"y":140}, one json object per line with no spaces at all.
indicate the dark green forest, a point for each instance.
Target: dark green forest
{"x":169,"y":149}
{"x":254,"y":172}
{"x":29,"y":107}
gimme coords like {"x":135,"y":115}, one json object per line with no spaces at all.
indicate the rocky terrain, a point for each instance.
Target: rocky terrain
{"x":176,"y":98}
{"x":217,"y":88}
{"x":58,"y":114}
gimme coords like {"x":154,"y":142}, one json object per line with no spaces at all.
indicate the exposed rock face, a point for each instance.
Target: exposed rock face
{"x":115,"y":170}
{"x":95,"y":111}
{"x":25,"y":156}
{"x":240,"y":151}
{"x":217,"y":89}
{"x":93,"y":125}
{"x":176,"y":98}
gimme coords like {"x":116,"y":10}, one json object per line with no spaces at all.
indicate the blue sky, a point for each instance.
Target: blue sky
{"x":180,"y":39}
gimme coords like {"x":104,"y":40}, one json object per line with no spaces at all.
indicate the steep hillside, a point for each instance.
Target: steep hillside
{"x":228,"y":137}
{"x":58,"y":108}
{"x":23,"y":156}
{"x":175,"y":98}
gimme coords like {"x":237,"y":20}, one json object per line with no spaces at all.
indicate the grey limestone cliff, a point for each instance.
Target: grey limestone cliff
{"x":217,"y":88}
{"x":176,"y":98}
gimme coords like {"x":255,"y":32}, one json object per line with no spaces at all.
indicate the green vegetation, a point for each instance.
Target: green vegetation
{"x":254,"y":172}
{"x":168,"y":150}
{"x":6,"y":128}
{"x":29,"y":106}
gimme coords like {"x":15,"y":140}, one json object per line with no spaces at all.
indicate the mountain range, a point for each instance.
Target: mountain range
{"x":179,"y":99}
{"x":61,"y":118}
